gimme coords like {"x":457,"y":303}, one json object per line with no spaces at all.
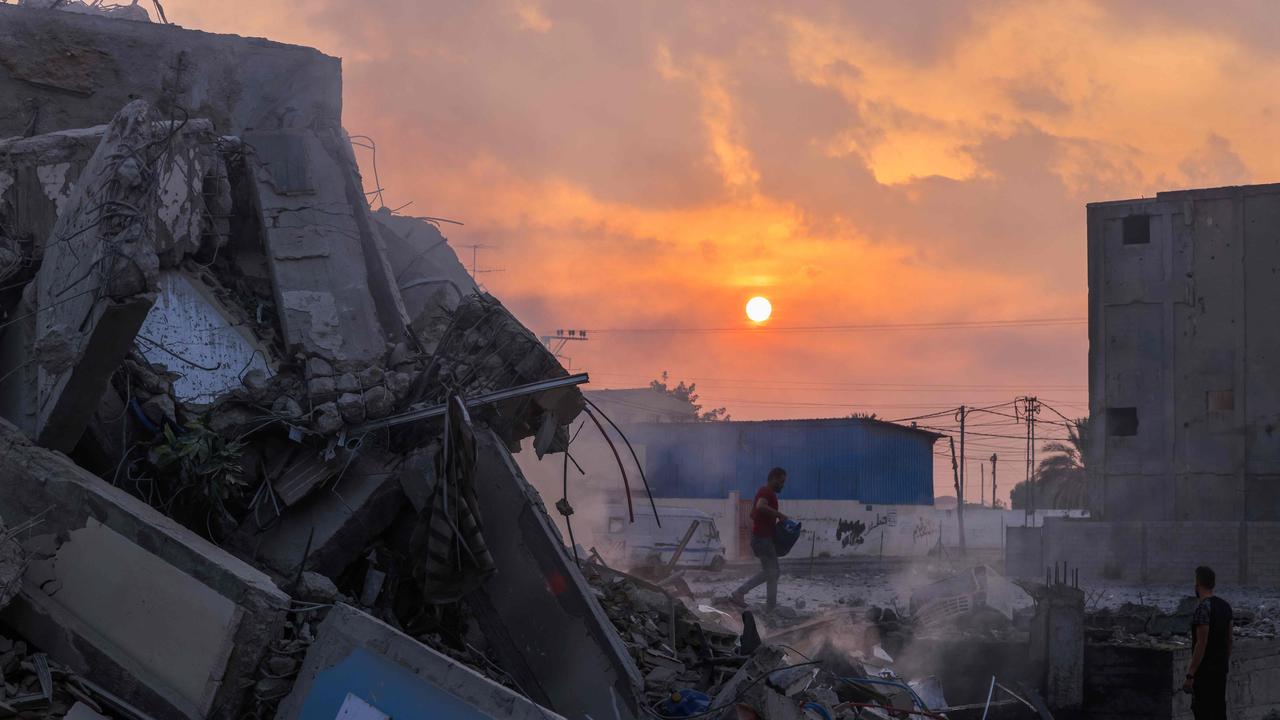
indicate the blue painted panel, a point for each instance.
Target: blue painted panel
{"x":386,"y":685}
{"x":842,"y":459}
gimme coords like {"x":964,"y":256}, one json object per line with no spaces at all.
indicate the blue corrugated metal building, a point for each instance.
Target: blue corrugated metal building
{"x":859,"y":459}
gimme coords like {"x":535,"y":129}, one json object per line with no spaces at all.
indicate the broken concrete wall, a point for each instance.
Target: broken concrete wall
{"x":538,"y":612}
{"x":1125,"y":682}
{"x":63,"y":70}
{"x":356,"y":656}
{"x":98,"y":273}
{"x":484,"y":348}
{"x":127,"y":597}
{"x":37,"y":177}
{"x":427,"y":269}
{"x":1148,"y":552}
{"x":329,"y":270}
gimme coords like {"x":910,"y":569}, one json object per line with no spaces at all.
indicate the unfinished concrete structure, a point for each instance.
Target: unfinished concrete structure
{"x":1184,"y":452}
{"x":1183,"y":351}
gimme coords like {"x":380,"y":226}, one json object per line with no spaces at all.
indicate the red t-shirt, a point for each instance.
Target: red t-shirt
{"x":761,"y":524}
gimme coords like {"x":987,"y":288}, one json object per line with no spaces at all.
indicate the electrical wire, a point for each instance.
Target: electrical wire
{"x":639,"y":465}
{"x":626,"y":484}
{"x":871,"y":327}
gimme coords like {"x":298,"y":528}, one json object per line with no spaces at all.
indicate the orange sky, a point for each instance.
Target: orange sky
{"x":649,"y":165}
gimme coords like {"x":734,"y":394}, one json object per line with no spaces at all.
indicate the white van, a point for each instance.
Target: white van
{"x":643,"y":543}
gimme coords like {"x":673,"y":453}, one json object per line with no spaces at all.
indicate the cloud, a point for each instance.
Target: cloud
{"x":1214,"y":163}
{"x":649,"y":165}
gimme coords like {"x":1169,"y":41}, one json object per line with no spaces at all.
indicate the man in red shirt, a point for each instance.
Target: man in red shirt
{"x":764,"y":516}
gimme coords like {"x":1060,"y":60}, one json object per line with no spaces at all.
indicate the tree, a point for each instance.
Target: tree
{"x":1061,"y":479}
{"x":686,"y":392}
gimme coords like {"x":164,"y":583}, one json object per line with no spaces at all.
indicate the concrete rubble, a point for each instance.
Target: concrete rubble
{"x":256,"y":444}
{"x":233,"y":397}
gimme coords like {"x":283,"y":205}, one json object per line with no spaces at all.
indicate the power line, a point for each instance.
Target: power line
{"x":870,"y":327}
{"x":824,"y":384}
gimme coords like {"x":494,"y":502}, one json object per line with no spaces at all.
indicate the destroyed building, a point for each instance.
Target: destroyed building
{"x":257,"y":439}
{"x":233,"y":394}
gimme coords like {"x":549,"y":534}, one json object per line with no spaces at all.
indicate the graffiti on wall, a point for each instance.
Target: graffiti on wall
{"x":854,"y":532}
{"x":923,"y":530}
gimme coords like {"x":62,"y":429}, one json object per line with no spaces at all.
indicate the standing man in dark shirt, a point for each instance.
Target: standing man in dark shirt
{"x":764,"y":516}
{"x":1211,"y":650}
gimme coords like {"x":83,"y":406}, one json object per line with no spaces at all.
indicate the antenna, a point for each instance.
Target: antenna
{"x":475,"y":271}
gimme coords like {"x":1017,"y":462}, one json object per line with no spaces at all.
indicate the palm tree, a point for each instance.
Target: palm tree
{"x":1060,"y":480}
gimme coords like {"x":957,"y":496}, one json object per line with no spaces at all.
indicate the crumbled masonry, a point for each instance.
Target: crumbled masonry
{"x":256,"y":452}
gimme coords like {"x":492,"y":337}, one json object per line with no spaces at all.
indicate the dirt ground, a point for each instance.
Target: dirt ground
{"x":833,"y":588}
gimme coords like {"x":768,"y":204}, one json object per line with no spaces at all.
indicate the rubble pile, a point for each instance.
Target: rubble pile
{"x":35,"y":686}
{"x":698,"y":660}
{"x":233,"y":396}
{"x":1148,"y":626}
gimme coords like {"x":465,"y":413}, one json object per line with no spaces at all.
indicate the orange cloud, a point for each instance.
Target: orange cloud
{"x":647,"y":165}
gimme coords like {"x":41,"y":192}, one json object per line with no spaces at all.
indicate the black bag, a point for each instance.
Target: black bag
{"x":785,"y":535}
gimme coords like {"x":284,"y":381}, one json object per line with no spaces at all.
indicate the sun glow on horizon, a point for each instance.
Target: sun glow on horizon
{"x":759,"y":309}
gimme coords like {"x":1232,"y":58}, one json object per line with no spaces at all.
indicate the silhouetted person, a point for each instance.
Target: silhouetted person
{"x":1211,"y":650}
{"x":764,"y":517}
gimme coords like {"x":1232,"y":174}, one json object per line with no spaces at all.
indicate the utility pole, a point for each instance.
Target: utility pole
{"x":993,"y":479}
{"x":955,"y":472}
{"x":1031,"y":409}
{"x":556,"y":343}
{"x":961,"y":413}
{"x":982,"y":486}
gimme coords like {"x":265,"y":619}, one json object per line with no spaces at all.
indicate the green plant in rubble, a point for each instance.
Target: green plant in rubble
{"x":202,"y":467}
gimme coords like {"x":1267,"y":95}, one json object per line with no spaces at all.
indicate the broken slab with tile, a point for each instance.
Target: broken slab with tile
{"x":367,"y":669}
{"x":125,"y":596}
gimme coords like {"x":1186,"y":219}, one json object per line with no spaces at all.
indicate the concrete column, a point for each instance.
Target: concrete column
{"x":1057,"y":642}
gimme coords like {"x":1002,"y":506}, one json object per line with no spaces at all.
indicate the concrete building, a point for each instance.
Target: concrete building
{"x":1184,"y":454}
{"x":1183,"y":353}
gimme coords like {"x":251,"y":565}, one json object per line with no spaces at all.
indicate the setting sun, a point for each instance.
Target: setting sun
{"x":759,"y":309}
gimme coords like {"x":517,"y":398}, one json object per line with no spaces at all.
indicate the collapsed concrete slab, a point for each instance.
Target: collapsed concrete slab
{"x":332,"y":526}
{"x":97,"y":278}
{"x":125,"y":596}
{"x":427,"y":271}
{"x":485,"y":349}
{"x":329,"y":269}
{"x":63,"y":70}
{"x":538,"y":613}
{"x":357,"y":661}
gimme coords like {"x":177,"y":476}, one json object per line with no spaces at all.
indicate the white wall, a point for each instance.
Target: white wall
{"x":831,"y":530}
{"x":888,"y":530}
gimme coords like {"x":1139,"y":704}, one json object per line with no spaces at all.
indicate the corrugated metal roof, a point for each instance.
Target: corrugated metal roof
{"x":836,"y":458}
